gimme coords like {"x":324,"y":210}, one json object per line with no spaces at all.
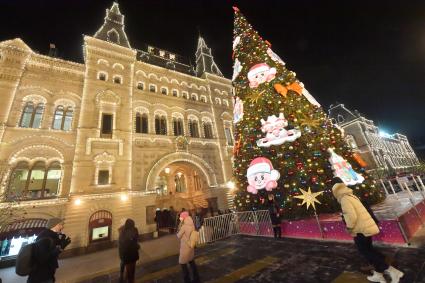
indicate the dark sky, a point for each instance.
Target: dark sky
{"x":369,"y":55}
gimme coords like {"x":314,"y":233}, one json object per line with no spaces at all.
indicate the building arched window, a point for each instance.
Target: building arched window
{"x":35,"y":182}
{"x":193,"y":129}
{"x":164,"y":91}
{"x":38,"y":115}
{"x":113,"y":36}
{"x":178,"y":126}
{"x":117,"y":80}
{"x":102,"y":76}
{"x":163,"y":125}
{"x":160,"y":125}
{"x":340,"y":118}
{"x":67,"y":123}
{"x":142,"y":123}
{"x":62,"y":119}
{"x":140,"y":86}
{"x":228,"y":134}
{"x":138,"y":123}
{"x":145,"y":127}
{"x":31,"y":116}
{"x":18,"y":181}
{"x":208,"y":133}
{"x":53,"y":178}
{"x":58,"y":118}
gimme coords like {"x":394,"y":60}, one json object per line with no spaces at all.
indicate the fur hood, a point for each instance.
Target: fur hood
{"x":339,"y":190}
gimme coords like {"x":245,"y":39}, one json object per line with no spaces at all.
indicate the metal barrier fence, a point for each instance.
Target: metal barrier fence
{"x":256,"y":223}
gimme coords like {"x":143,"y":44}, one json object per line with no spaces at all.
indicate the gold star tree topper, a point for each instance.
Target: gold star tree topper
{"x":309,"y":198}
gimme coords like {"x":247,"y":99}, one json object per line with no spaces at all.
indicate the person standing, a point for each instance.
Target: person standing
{"x":128,"y":248}
{"x":158,"y":218}
{"x":362,"y":227}
{"x":187,"y":254}
{"x":199,"y":219}
{"x":173,"y":216}
{"x":48,"y":245}
{"x":122,"y":264}
{"x":275,"y":218}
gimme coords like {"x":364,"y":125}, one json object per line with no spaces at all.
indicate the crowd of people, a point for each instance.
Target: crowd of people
{"x":359,"y":220}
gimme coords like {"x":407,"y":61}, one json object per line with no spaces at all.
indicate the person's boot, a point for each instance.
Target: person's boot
{"x":377,"y":277}
{"x":394,"y":273}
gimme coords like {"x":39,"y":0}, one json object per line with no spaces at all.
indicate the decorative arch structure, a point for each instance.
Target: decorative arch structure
{"x":193,"y":159}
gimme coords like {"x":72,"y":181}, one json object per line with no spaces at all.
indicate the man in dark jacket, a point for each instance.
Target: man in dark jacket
{"x":274,"y":216}
{"x":49,"y":244}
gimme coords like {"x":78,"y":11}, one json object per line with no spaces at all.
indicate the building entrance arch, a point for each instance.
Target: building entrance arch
{"x":202,"y":168}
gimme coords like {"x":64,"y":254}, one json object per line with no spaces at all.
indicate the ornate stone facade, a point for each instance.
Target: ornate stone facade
{"x":388,"y":153}
{"x":125,"y":132}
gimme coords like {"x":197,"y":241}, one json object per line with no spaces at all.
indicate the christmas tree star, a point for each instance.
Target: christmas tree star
{"x":309,"y":198}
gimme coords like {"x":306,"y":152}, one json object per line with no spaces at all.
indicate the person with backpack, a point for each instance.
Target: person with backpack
{"x":128,"y":248}
{"x":361,"y":225}
{"x":187,"y":248}
{"x":45,"y":252}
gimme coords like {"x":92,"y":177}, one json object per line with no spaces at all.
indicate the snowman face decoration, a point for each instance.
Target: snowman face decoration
{"x":260,"y":73}
{"x":261,"y":175}
{"x":259,"y":180}
{"x":274,"y":124}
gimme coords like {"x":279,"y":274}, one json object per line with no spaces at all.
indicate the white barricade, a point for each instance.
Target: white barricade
{"x":255,"y":223}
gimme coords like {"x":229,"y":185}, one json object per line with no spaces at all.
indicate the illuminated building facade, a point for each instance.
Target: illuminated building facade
{"x":113,"y":138}
{"x":388,"y":153}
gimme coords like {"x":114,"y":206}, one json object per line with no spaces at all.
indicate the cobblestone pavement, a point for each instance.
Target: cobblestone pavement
{"x":256,"y":259}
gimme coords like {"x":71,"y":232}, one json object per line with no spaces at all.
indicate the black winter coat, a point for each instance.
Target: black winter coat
{"x":128,"y":245}
{"x":45,"y":257}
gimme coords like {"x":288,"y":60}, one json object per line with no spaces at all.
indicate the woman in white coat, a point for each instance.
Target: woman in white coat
{"x":187,"y":254}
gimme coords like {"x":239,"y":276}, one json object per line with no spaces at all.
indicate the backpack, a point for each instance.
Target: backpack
{"x":193,"y":239}
{"x":24,"y":260}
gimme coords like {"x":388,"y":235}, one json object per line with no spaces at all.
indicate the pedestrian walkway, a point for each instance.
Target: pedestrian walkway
{"x":92,"y":265}
{"x":257,"y":259}
{"x":241,"y":259}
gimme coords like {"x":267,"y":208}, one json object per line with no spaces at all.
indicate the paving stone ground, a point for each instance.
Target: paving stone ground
{"x":256,"y":259}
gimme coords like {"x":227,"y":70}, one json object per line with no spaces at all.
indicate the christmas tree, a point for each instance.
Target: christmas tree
{"x":285,"y":144}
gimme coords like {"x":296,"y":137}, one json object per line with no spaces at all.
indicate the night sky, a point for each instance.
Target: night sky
{"x":369,"y":55}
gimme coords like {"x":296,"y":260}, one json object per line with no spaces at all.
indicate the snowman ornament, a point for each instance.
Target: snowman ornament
{"x":276,"y":134}
{"x":261,"y":175}
{"x":259,"y":74}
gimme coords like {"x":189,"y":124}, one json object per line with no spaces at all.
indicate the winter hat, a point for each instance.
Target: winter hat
{"x":184,"y":215}
{"x":262,"y":165}
{"x":52,"y":222}
{"x":258,"y":68}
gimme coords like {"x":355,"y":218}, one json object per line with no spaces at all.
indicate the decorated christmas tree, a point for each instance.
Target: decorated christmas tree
{"x":285,"y":144}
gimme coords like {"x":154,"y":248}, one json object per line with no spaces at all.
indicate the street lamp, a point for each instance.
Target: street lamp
{"x":124,"y":197}
{"x":231,"y":185}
